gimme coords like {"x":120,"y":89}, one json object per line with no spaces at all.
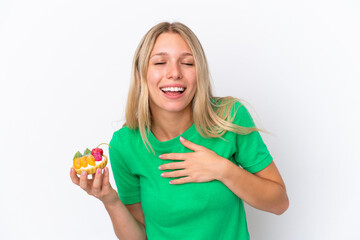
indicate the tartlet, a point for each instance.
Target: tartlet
{"x":90,"y":161}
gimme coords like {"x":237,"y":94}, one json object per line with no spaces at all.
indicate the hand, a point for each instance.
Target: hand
{"x":202,"y":165}
{"x":99,"y":186}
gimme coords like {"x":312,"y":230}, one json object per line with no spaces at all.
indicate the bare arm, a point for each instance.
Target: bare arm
{"x":128,"y":221}
{"x":136,"y":210}
{"x":126,"y":225}
{"x":263,"y":190}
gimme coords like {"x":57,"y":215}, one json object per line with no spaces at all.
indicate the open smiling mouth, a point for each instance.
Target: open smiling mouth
{"x":173,"y":91}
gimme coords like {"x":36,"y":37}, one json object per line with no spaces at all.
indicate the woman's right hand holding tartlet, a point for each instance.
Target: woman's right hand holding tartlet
{"x":126,"y":225}
{"x":99,"y":186}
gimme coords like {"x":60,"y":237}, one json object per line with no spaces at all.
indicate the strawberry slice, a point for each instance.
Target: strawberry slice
{"x":98,"y":152}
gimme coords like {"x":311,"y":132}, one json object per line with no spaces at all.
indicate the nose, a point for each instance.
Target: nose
{"x":174,"y":71}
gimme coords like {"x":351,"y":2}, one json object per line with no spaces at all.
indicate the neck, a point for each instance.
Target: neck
{"x":170,"y":125}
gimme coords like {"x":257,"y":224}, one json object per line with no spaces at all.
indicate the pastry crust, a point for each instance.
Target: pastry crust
{"x":92,"y":170}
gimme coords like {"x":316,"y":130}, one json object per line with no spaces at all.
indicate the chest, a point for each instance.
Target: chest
{"x":168,"y":204}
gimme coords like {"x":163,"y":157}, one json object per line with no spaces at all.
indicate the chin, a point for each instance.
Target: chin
{"x":176,"y":108}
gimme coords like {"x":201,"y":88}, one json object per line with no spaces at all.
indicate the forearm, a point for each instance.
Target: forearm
{"x":126,"y":227}
{"x":258,"y":192}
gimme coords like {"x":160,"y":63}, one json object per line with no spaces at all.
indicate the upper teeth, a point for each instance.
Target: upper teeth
{"x":172,"y":89}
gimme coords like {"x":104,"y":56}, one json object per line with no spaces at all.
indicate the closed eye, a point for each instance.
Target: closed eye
{"x":159,"y":63}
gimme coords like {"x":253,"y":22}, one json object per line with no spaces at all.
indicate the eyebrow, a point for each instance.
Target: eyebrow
{"x":165,"y":54}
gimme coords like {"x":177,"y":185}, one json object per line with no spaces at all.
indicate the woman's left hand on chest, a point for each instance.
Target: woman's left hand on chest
{"x":202,"y":165}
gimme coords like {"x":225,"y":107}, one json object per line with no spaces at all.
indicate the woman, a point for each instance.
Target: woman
{"x":184,"y":161}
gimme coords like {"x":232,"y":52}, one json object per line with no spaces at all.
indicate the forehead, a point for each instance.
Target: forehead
{"x":170,"y":43}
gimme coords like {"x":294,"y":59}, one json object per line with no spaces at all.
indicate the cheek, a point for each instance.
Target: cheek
{"x":154,"y":74}
{"x":192,"y":78}
{"x":151,"y":81}
{"x":194,"y":90}
{"x":193,"y":82}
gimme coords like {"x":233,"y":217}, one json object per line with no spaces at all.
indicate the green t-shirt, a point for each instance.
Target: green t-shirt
{"x":191,"y":211}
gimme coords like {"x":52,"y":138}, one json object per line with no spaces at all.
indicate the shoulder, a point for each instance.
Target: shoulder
{"x":231,"y":103}
{"x":123,"y":142}
{"x":124,"y":135}
{"x":241,"y":115}
{"x":236,"y":108}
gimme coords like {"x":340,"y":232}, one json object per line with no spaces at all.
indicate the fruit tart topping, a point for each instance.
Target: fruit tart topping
{"x":97,"y":156}
{"x":77,"y":163}
{"x":76,"y":160}
{"x":98,"y":152}
{"x":87,"y":152}
{"x":77,"y":155}
{"x":90,"y":160}
{"x":83,"y":161}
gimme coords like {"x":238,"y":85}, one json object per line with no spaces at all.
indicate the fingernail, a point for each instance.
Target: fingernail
{"x":160,"y":167}
{"x":171,"y":182}
{"x":163,"y":174}
{"x":83,"y":173}
{"x":98,"y":170}
{"x":71,"y":170}
{"x":160,"y":156}
{"x":182,"y":139}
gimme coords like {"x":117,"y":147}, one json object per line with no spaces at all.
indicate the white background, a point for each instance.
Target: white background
{"x":65,"y":69}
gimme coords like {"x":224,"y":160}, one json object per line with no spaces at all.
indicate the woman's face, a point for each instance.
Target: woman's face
{"x":171,"y":75}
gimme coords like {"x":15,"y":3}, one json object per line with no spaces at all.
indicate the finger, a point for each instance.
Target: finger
{"x":191,"y":145}
{"x":173,"y":174}
{"x":74,"y":178}
{"x":174,"y":156}
{"x":181,"y":180}
{"x":96,"y":187}
{"x":105,"y":179}
{"x":173,"y":165}
{"x":84,"y":180}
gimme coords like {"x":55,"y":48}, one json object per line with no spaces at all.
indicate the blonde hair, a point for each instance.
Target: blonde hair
{"x":211,"y":115}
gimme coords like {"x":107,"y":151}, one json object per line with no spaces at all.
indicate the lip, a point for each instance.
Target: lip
{"x":177,"y":96}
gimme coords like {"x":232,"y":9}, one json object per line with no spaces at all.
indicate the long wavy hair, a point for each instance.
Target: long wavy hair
{"x":211,"y":115}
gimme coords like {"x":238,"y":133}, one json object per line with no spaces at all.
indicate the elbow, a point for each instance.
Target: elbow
{"x":282,"y":207}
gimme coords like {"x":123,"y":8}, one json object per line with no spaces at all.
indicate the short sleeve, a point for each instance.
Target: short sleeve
{"x":127,"y":183}
{"x":252,"y":153}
